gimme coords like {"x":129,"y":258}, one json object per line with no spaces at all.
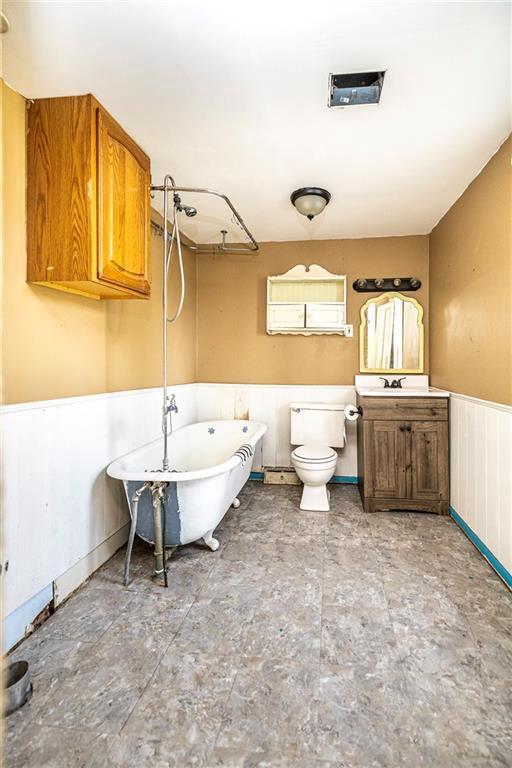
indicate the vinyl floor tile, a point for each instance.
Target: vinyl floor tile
{"x":308,"y":640}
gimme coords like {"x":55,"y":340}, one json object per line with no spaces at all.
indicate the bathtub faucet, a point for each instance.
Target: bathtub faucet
{"x":169,"y":408}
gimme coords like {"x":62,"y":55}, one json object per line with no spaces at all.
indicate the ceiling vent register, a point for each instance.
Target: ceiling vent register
{"x":355,"y":88}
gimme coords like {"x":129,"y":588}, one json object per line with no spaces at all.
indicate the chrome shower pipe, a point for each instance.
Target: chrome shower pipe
{"x":169,"y":183}
{"x":252,"y":246}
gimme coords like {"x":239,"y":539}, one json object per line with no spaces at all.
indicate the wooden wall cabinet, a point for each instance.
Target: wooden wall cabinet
{"x":403,"y":457}
{"x":88,"y":212}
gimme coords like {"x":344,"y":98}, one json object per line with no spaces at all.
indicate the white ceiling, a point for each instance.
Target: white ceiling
{"x":231,"y":95}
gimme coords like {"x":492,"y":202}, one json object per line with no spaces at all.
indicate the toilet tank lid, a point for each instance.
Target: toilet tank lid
{"x":317,"y":406}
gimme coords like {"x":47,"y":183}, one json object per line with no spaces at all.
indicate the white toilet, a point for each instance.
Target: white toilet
{"x":316,"y":428}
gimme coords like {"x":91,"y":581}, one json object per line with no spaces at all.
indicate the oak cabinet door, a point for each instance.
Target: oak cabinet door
{"x":429,"y":460}
{"x":123,"y":208}
{"x":386,"y":461}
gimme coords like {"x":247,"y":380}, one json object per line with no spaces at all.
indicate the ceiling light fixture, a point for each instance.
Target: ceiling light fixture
{"x":310,"y":201}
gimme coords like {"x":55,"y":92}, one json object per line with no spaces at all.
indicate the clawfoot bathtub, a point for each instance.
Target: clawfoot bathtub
{"x":210,"y":462}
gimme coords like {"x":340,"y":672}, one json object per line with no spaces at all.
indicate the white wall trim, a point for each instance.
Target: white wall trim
{"x":486,"y":403}
{"x":214,"y":384}
{"x":79,"y":399}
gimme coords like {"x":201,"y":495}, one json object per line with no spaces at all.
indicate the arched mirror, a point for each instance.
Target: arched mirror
{"x":391,"y":335}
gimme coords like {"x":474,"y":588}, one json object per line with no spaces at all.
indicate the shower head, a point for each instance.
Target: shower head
{"x":189,"y":210}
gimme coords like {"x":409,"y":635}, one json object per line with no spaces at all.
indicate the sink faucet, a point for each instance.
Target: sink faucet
{"x":395,"y":384}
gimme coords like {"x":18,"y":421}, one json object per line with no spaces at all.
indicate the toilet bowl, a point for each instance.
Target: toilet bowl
{"x":315,"y":465}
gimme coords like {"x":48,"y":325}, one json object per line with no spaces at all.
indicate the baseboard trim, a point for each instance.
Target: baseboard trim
{"x":484,"y":550}
{"x":348,"y":479}
{"x":19,"y":623}
{"x":75,"y":576}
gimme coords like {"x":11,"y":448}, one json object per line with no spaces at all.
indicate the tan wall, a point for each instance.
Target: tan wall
{"x":134,"y":331}
{"x":470,"y":288}
{"x":57,"y":345}
{"x":233,"y":345}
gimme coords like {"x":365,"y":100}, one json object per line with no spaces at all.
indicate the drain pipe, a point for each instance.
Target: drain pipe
{"x":134,"y":508}
{"x":158,"y":494}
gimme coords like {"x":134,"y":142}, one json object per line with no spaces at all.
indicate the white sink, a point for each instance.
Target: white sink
{"x":416,"y":385}
{"x":409,"y":392}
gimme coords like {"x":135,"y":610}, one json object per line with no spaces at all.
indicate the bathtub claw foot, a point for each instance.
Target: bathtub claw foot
{"x":236,"y":503}
{"x":214,"y":544}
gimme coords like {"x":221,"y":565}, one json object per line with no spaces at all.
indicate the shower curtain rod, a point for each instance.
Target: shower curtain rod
{"x":252,"y":247}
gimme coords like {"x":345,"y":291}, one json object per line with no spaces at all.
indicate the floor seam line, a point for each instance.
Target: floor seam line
{"x":155,"y":670}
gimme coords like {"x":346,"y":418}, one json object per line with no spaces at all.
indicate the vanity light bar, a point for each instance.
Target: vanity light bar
{"x":381,"y":284}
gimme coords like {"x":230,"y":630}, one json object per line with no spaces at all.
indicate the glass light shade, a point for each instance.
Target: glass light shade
{"x":310,"y":205}
{"x":310,"y":201}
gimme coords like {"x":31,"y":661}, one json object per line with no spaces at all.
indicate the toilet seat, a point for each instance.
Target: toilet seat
{"x":314,"y":454}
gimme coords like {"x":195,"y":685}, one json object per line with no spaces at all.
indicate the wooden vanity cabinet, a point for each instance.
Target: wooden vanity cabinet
{"x":403,"y":457}
{"x":88,"y":212}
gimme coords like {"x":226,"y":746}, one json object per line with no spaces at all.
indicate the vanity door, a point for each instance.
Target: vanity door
{"x":429,"y":459}
{"x":386,"y":459}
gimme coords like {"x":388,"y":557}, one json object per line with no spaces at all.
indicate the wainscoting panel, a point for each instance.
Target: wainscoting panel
{"x":481,"y":471}
{"x":270,"y":403}
{"x":59,"y":505}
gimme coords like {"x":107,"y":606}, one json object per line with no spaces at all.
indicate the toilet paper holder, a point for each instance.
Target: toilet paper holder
{"x":353,"y":411}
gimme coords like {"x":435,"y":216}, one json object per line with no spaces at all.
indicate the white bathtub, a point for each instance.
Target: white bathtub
{"x":210,"y":463}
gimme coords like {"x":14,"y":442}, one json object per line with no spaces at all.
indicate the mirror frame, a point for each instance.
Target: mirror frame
{"x":381,"y":299}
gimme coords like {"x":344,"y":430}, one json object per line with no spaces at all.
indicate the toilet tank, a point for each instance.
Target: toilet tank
{"x":317,"y":423}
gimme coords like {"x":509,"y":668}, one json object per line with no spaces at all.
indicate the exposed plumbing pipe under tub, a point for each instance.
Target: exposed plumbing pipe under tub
{"x":134,"y":508}
{"x":158,"y":494}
